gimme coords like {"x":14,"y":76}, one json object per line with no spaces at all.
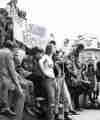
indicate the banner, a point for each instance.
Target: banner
{"x":89,"y":41}
{"x":34,"y":35}
{"x":30,"y":34}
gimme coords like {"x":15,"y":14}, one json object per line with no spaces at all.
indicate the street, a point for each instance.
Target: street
{"x":84,"y":115}
{"x":88,"y":115}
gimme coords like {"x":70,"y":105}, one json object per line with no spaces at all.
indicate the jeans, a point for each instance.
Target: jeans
{"x":50,"y":88}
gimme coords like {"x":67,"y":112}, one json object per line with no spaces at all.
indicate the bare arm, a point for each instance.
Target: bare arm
{"x":12,"y":71}
{"x":23,"y":72}
{"x":43,"y":65}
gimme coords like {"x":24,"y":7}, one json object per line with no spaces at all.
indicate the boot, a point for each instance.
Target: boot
{"x":51,"y":113}
{"x":7,"y":112}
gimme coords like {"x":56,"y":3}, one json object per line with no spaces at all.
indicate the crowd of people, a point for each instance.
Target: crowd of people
{"x":43,"y":82}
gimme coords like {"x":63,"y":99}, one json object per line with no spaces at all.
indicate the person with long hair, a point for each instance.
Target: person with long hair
{"x":49,"y":82}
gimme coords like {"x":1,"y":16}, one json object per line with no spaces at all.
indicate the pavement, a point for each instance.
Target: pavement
{"x":84,"y":115}
{"x":88,"y":115}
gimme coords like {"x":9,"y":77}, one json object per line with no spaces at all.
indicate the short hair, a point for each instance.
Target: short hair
{"x":48,"y":49}
{"x":9,"y":20}
{"x":3,"y":12}
{"x":52,"y":42}
{"x":80,"y":47}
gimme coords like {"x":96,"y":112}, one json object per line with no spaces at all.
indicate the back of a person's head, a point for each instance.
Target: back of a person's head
{"x":80,"y":46}
{"x":36,"y":50}
{"x":3,"y":12}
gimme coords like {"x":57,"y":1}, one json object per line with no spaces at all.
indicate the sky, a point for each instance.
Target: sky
{"x":65,"y":18}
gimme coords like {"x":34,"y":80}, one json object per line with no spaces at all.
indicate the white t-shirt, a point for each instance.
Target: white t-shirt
{"x":47,"y":65}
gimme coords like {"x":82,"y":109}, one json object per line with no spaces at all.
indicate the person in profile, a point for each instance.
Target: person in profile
{"x":9,"y":82}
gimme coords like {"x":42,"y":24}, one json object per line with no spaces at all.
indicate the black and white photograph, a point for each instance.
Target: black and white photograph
{"x":49,"y":60}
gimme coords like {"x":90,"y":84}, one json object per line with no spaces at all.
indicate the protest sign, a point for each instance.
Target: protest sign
{"x":30,"y":34}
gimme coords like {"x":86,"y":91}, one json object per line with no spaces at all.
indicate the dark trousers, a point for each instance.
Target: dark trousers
{"x":76,"y":92}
